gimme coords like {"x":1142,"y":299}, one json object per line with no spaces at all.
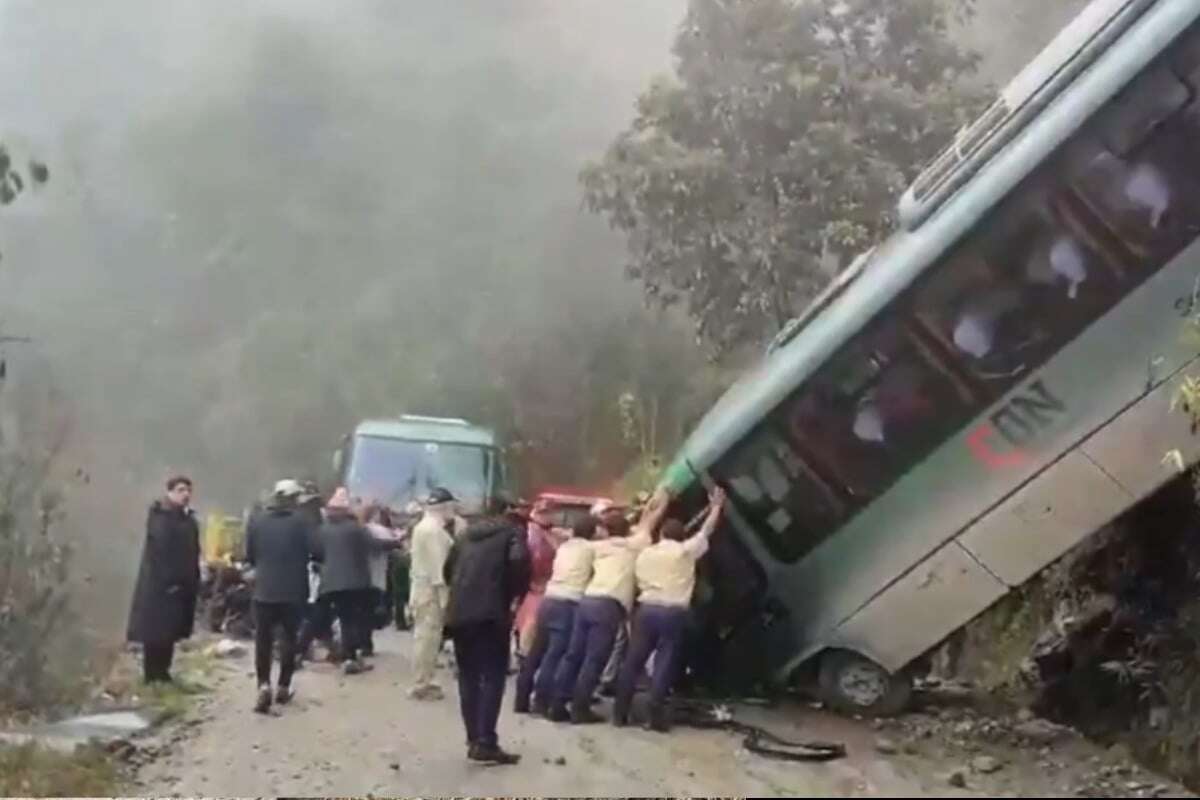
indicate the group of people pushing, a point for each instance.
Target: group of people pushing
{"x":467,"y":580}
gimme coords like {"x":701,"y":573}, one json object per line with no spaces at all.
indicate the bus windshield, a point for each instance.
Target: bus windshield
{"x":398,"y":471}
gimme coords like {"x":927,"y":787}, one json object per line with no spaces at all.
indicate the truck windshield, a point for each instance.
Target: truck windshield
{"x":396,"y":471}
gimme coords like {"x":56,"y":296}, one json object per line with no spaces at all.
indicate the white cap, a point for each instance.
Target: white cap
{"x":288,"y":488}
{"x":600,"y":507}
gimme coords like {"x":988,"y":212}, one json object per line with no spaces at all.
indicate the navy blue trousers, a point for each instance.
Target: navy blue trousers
{"x":551,"y":637}
{"x":658,"y":630}
{"x":592,"y":640}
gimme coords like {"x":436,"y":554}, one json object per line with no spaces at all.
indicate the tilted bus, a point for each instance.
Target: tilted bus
{"x":981,"y":392}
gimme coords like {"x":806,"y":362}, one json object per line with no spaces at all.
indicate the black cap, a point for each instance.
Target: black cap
{"x":501,"y":503}
{"x":439,"y":496}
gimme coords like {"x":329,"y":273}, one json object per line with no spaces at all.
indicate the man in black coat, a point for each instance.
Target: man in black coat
{"x":279,"y":544}
{"x":488,"y":573}
{"x":164,"y":597}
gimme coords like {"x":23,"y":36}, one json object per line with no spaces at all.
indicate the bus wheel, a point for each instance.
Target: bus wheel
{"x":852,"y":684}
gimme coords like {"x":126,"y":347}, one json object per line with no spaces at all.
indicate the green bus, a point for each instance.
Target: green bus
{"x":982,"y":391}
{"x":397,"y":461}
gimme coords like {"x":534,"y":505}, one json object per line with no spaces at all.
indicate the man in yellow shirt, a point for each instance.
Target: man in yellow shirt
{"x":556,"y":618}
{"x":428,"y":594}
{"x":606,"y":603}
{"x":666,"y":578}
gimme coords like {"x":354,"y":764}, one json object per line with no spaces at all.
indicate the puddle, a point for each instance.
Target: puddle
{"x":66,"y":734}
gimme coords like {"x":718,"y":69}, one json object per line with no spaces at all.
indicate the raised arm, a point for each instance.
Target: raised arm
{"x":697,"y":545}
{"x":652,"y":517}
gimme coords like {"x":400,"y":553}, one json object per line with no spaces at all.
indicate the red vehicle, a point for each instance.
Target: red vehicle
{"x":565,"y":507}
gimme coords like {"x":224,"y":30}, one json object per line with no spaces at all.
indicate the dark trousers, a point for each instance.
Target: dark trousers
{"x":481,"y":651}
{"x":592,"y":639}
{"x":267,"y":618}
{"x":317,"y":624}
{"x":555,"y":621}
{"x":156,"y":661}
{"x":658,"y":630}
{"x":353,"y":610}
{"x":399,"y":575}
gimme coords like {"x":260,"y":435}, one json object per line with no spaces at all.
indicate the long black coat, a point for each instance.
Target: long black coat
{"x":164,"y":598}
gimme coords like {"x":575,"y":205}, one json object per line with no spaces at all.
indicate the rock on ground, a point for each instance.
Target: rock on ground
{"x":356,"y":735}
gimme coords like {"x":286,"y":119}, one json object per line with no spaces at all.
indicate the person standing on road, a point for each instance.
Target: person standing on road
{"x":432,"y":539}
{"x":569,"y":576}
{"x":279,"y":545}
{"x":378,"y":521}
{"x":163,"y":610}
{"x":346,"y":545}
{"x":543,"y":541}
{"x":606,"y":604}
{"x":487,"y":570}
{"x":666,"y":578}
{"x":317,"y":624}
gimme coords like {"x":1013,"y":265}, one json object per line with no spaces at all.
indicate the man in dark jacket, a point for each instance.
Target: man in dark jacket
{"x":488,"y":574}
{"x":345,"y":545}
{"x":164,"y":598}
{"x":279,"y":544}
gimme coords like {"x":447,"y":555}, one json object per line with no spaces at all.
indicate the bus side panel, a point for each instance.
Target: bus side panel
{"x":1132,"y":447}
{"x":928,"y":604}
{"x":1043,"y":520}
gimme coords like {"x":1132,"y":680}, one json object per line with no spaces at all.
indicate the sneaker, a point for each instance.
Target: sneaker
{"x":520,"y":707}
{"x":263,"y":704}
{"x":491,"y":755}
{"x":352,"y":666}
{"x":558,"y":713}
{"x":284,"y":695}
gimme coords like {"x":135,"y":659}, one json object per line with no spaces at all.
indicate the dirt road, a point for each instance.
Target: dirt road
{"x":358,"y":735}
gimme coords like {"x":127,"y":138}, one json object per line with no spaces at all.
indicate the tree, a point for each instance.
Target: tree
{"x":777,"y":150}
{"x":33,"y":566}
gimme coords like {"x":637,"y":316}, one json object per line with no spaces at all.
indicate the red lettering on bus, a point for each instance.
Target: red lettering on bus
{"x":981,"y":447}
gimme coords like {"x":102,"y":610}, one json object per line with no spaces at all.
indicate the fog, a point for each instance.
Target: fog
{"x":268,"y":220}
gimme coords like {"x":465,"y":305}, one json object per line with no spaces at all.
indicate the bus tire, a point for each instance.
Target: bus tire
{"x":855,"y":685}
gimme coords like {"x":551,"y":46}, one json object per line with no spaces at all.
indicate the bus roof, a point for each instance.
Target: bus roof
{"x":428,"y":429}
{"x":901,"y":259}
{"x":1077,"y":45}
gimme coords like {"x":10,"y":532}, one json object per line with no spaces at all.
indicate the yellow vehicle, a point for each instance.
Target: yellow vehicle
{"x":224,"y":538}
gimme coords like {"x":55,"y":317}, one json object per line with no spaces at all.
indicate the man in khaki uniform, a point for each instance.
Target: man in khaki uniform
{"x":428,"y":595}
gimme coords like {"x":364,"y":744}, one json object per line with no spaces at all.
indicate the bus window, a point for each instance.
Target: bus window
{"x":876,"y":409}
{"x":1012,"y":296}
{"x":778,"y":494}
{"x":1141,"y":177}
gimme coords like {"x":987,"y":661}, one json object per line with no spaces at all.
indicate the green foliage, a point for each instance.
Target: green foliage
{"x":31,"y":771}
{"x":776,"y":151}
{"x":33,"y":582}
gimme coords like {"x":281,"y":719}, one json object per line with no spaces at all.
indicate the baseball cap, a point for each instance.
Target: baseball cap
{"x":288,"y":488}
{"x":439,"y":496}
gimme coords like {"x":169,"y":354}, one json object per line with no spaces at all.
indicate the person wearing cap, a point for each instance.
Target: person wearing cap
{"x":346,"y":546}
{"x":487,"y":570}
{"x":279,"y":544}
{"x":432,"y":539}
{"x":606,"y":604}
{"x":569,"y":576}
{"x":666,"y":577}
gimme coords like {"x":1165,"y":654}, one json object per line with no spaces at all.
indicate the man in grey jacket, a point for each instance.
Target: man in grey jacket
{"x":279,"y":544}
{"x":346,"y":546}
